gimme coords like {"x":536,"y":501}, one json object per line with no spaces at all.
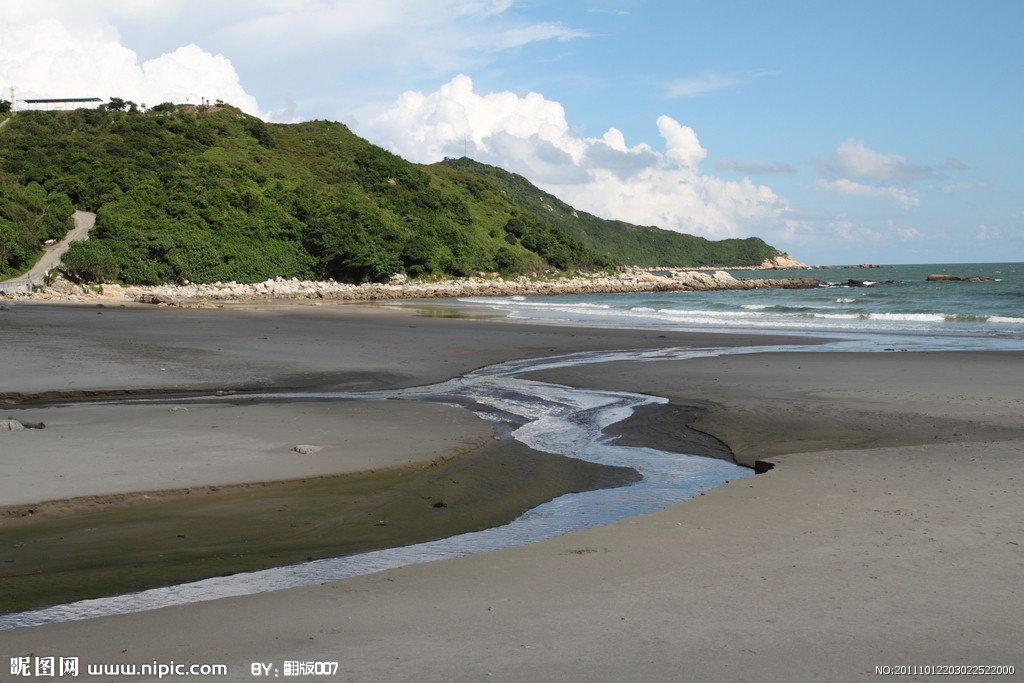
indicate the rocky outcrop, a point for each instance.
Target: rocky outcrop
{"x":630,"y":280}
{"x":938,"y":277}
{"x":783,"y":262}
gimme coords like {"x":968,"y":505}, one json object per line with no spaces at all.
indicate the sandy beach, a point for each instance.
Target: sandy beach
{"x":887,"y":534}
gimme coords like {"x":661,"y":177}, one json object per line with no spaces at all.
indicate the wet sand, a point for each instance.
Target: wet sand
{"x":887,"y":534}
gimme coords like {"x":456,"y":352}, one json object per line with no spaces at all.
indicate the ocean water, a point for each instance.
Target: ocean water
{"x":894,"y":299}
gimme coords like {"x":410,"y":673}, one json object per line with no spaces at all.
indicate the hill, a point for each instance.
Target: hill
{"x":636,"y":245}
{"x":212,"y":194}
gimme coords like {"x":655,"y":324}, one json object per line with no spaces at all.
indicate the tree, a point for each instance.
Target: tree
{"x":89,"y":261}
{"x":5,"y":107}
{"x":116,"y":104}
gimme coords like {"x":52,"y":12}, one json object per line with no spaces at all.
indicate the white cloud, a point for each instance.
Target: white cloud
{"x":907,"y":233}
{"x":699,"y":85}
{"x":350,"y":52}
{"x":906,"y":198}
{"x":605,"y":176}
{"x":856,"y":170}
{"x":843,"y":234}
{"x":840,"y":229}
{"x":47,"y":57}
{"x":956,"y":187}
{"x":853,"y":159}
{"x":753,"y":167}
{"x":987,"y":232}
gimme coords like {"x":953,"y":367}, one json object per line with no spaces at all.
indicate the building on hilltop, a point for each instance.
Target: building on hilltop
{"x":61,"y":104}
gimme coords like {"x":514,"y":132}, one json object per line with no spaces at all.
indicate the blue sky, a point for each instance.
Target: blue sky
{"x":839,"y":131}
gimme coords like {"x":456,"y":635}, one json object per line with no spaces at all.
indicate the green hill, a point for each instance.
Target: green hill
{"x":212,"y":194}
{"x":631,"y":244}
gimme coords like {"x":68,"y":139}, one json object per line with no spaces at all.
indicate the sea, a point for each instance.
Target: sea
{"x":890,"y":299}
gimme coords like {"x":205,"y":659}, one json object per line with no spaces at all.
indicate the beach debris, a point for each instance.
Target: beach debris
{"x":305,"y":449}
{"x":440,"y":504}
{"x":11,"y":426}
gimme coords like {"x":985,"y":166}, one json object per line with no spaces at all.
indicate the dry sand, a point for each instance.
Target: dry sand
{"x":890,"y":532}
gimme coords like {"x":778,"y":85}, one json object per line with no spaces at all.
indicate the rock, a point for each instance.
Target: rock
{"x":11,"y":426}
{"x":65,"y":287}
{"x":306,"y":450}
{"x":153,"y":299}
{"x":939,"y":278}
{"x":783,"y":262}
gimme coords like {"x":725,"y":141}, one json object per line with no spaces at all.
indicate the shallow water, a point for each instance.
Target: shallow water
{"x":546,"y":417}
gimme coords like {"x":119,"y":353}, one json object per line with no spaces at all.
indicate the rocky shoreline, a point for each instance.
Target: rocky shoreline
{"x":218,"y":293}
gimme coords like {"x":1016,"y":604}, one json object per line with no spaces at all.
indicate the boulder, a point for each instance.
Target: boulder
{"x":11,"y":426}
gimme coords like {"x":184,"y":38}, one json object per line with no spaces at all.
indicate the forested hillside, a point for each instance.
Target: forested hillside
{"x":214,"y":194}
{"x":632,"y":244}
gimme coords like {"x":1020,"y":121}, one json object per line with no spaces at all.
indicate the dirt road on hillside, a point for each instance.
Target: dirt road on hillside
{"x":52,"y":255}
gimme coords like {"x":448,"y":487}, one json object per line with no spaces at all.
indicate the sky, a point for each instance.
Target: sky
{"x":841,"y":132}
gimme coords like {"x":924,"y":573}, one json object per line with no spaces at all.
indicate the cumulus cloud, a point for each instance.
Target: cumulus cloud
{"x":48,"y":58}
{"x":350,"y":52}
{"x":856,"y":170}
{"x":603,"y":175}
{"x":854,"y":159}
{"x":753,"y":167}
